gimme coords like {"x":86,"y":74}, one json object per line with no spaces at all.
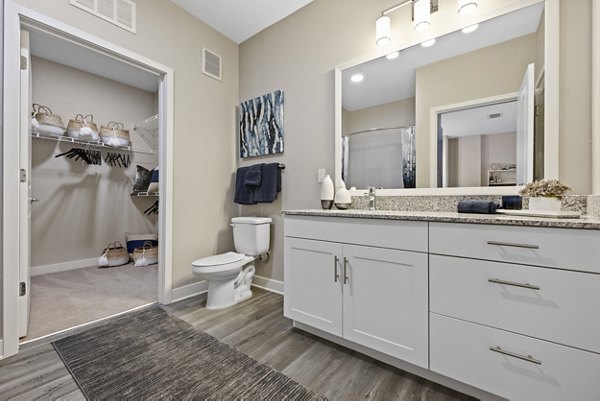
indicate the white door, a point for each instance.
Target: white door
{"x":525,"y":118}
{"x":386,"y":302}
{"x":25,"y":186}
{"x":313,"y":283}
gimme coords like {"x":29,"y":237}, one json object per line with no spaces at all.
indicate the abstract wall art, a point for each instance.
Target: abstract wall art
{"x":261,"y":125}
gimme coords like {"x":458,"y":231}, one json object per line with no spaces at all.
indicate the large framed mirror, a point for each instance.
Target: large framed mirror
{"x":465,"y":114}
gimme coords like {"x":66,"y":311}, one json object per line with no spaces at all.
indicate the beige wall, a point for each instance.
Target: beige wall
{"x":400,"y":113}
{"x":575,"y":164}
{"x":204,"y":137}
{"x":83,"y":208}
{"x":491,"y":71}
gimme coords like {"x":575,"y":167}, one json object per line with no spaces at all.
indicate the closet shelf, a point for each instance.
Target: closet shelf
{"x":148,"y":131}
{"x":145,"y":194}
{"x":94,"y":144}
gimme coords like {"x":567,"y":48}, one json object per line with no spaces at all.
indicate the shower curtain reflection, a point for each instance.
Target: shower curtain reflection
{"x":380,"y":157}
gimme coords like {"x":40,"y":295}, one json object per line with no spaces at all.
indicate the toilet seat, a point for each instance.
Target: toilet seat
{"x":221,"y":263}
{"x":220,"y":259}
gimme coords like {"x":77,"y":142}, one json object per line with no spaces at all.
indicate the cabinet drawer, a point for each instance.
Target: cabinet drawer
{"x":548,"y":372}
{"x":560,"y":306}
{"x":394,"y":234}
{"x":559,"y":248}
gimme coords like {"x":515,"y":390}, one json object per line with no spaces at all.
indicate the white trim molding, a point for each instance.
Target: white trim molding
{"x":63,"y":266}
{"x":268,"y":284}
{"x":190,"y":290}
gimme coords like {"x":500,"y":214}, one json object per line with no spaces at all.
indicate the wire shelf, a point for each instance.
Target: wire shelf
{"x":94,"y":144}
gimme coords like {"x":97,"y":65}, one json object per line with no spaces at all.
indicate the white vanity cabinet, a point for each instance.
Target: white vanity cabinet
{"x":516,"y":310}
{"x":363,"y":280}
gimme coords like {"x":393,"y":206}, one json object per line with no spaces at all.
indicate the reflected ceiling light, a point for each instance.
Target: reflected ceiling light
{"x":357,"y":77}
{"x":466,"y":6}
{"x":382,"y":31}
{"x":422,"y":15}
{"x":428,"y":43}
{"x":392,"y":56}
{"x":470,"y":29}
{"x":421,"y":12}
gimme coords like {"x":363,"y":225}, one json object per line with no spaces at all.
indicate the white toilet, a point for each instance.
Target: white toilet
{"x":228,"y":284}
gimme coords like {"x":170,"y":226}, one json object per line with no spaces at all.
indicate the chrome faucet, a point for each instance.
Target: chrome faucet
{"x":372,"y":198}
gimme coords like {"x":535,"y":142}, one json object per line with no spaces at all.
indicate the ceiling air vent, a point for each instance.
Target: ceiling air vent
{"x":495,"y":115}
{"x":211,"y":64}
{"x":118,"y":12}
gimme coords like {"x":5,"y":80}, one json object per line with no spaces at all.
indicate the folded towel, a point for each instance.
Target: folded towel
{"x":244,"y":195}
{"x":254,"y":175}
{"x":477,"y":206}
{"x":270,"y":184}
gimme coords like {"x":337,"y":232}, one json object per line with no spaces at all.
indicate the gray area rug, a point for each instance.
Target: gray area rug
{"x":153,"y":355}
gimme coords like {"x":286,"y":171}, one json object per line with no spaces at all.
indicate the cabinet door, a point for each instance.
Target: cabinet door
{"x":313,"y":288}
{"x":385,"y":301}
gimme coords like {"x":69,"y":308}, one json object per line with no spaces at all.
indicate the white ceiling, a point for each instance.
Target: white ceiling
{"x":391,"y":80}
{"x":240,"y":19}
{"x":477,"y":121}
{"x":53,"y":48}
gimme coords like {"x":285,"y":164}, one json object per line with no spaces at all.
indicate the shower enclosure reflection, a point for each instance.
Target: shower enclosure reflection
{"x":380,"y":157}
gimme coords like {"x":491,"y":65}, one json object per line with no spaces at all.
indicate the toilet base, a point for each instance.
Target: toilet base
{"x":225,"y":293}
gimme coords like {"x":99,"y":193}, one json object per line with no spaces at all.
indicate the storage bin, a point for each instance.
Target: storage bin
{"x":114,"y":254}
{"x":83,"y":128}
{"x":146,"y":255}
{"x":114,"y":134}
{"x":45,"y":123}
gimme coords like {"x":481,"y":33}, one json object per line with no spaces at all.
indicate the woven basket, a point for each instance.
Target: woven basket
{"x":75,"y":125}
{"x":44,"y":115}
{"x":146,"y":255}
{"x":114,"y":134}
{"x":114,"y":254}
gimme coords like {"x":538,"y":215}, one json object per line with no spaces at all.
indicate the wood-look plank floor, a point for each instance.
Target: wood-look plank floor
{"x":256,"y":327}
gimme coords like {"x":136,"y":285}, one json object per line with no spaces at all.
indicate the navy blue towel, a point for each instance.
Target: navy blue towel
{"x":477,"y":206}
{"x":244,"y":195}
{"x":270,"y":184}
{"x":254,"y":175}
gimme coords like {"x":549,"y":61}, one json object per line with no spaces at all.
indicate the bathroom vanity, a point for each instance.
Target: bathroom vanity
{"x":507,"y":305}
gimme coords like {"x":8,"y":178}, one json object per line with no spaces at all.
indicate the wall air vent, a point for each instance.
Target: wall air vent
{"x":118,"y":12}
{"x":495,"y":115}
{"x":211,"y":64}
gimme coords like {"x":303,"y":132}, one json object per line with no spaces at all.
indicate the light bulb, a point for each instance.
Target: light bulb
{"x":357,"y":77}
{"x":428,"y":43}
{"x":392,"y":56}
{"x":470,"y":29}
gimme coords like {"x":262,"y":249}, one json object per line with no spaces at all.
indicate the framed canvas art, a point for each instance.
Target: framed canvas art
{"x":261,"y":125}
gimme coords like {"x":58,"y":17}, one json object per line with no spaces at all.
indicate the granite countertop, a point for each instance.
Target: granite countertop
{"x":452,"y":217}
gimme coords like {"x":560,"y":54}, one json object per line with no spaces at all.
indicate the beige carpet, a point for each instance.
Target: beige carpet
{"x":66,"y":299}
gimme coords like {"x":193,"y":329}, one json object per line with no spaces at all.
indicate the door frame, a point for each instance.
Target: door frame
{"x":434,"y":120}
{"x":15,"y":16}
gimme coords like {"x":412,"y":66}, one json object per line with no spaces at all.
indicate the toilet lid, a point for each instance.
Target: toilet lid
{"x":221,"y":259}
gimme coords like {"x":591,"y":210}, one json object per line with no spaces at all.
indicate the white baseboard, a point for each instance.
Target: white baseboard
{"x":190,"y":290}
{"x":63,"y":266}
{"x":268,"y":284}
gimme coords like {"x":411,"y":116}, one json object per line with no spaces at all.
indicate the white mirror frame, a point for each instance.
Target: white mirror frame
{"x":595,"y":98}
{"x":551,"y":99}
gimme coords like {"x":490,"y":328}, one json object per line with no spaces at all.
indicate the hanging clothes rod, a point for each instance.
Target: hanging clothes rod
{"x":377,"y":130}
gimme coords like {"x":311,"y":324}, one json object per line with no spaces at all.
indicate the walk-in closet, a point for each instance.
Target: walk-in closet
{"x":94,"y":193}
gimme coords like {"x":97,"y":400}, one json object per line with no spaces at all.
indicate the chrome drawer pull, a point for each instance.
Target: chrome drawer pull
{"x":522,"y":285}
{"x":345,"y":270}
{"x":335,"y":271}
{"x":527,"y":246}
{"x":527,"y":358}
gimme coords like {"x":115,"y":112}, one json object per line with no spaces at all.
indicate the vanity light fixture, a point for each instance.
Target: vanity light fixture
{"x":428,"y":43}
{"x":421,"y":16}
{"x":357,"y":78}
{"x":471,"y":28}
{"x":466,"y":6}
{"x":392,"y":56}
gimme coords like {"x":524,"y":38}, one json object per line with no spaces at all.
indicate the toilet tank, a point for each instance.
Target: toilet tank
{"x":251,"y":235}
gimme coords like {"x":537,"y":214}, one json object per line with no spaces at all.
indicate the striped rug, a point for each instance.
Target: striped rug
{"x":153,"y":355}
